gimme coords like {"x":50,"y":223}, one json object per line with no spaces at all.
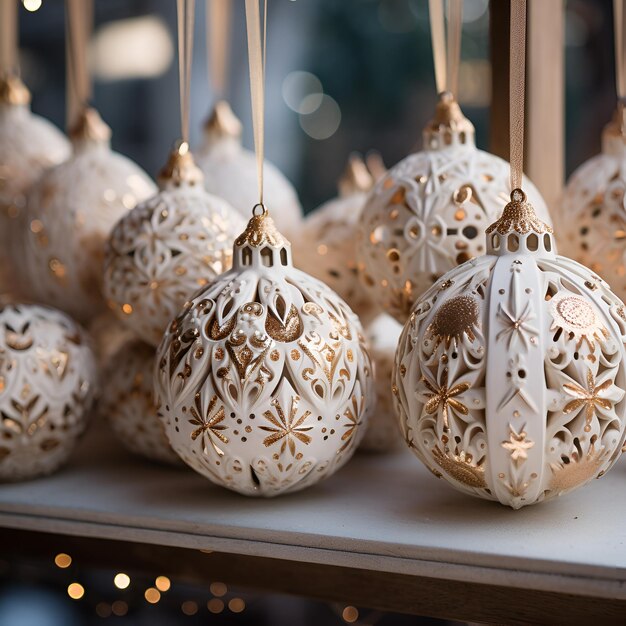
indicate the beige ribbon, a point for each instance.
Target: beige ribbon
{"x":218,"y":15}
{"x":8,"y":37}
{"x":79,"y":17}
{"x":517,"y":91}
{"x":185,"y":15}
{"x":619,"y":24}
{"x":256,"y":55}
{"x":446,"y":56}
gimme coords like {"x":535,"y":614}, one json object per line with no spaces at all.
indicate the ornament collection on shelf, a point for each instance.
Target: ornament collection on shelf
{"x":509,"y":372}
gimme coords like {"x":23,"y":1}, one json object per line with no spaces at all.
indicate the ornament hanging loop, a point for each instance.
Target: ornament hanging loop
{"x":185,"y":19}
{"x":446,"y":54}
{"x":259,"y":209}
{"x":517,"y":91}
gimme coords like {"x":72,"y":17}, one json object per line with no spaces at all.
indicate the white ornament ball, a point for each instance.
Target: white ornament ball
{"x":168,"y":247}
{"x":68,"y":217}
{"x":230,"y":171}
{"x":510,"y":375}
{"x":264,"y":380}
{"x":128,"y":403}
{"x":382,"y":433}
{"x":327,"y":239}
{"x":47,"y":386}
{"x":427,"y":214}
{"x":108,"y":335}
{"x":29,"y":144}
{"x":592,"y":217}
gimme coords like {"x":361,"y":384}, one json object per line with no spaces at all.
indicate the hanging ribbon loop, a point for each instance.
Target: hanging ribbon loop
{"x":446,"y":56}
{"x":185,"y":20}
{"x":517,"y":90}
{"x":256,"y":55}
{"x":8,"y":38}
{"x":619,"y":25}
{"x":218,"y":15}
{"x":79,"y":17}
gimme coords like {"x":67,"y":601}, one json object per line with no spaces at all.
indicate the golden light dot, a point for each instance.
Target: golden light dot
{"x":36,"y":226}
{"x":189,"y":607}
{"x":32,"y":5}
{"x":119,"y":608}
{"x":215,"y":605}
{"x":218,"y":589}
{"x":121,"y":580}
{"x":154,"y":284}
{"x":163,"y":583}
{"x":322,"y":249}
{"x":109,"y":195}
{"x":75,"y":591}
{"x":350,"y":614}
{"x":62,"y":560}
{"x":127,"y":308}
{"x":57,"y":268}
{"x":152,"y":595}
{"x":103,"y":609}
{"x":236,"y":605}
{"x":460,"y":215}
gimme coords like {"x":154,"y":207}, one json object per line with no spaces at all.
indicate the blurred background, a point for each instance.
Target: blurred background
{"x":342,"y":76}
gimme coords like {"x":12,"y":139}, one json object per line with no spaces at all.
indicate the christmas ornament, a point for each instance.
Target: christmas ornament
{"x":230,"y":171}
{"x":509,"y":376}
{"x":263,"y":379}
{"x":167,"y":247}
{"x":426,"y":215}
{"x":108,"y":335}
{"x":128,"y":403}
{"x":592,"y":216}
{"x":47,"y":385}
{"x":382,"y":434}
{"x":327,"y":245}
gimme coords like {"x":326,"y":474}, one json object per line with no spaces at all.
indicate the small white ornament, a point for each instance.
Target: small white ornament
{"x":327,"y":240}
{"x":47,"y":386}
{"x":29,"y":144}
{"x":264,"y":379}
{"x":592,"y":217}
{"x":382,"y":433}
{"x":510,"y":374}
{"x":427,"y":214}
{"x":168,"y":247}
{"x":230,"y":171}
{"x":128,"y":403}
{"x":69,"y":214}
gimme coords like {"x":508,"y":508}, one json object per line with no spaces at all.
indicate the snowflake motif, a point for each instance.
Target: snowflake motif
{"x":209,"y":425}
{"x":286,"y":428}
{"x":517,"y":325}
{"x":353,"y":414}
{"x":589,"y":398}
{"x":518,"y":445}
{"x":440,"y":396}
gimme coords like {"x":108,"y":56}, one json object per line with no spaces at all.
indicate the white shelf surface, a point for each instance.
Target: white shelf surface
{"x":380,"y":512}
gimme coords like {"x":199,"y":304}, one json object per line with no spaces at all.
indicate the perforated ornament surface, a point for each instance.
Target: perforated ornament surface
{"x":509,"y":377}
{"x":264,"y":379}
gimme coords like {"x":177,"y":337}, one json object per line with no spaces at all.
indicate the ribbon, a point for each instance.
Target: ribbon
{"x":218,"y":15}
{"x":8,"y":37}
{"x":446,"y":60}
{"x":79,"y":16}
{"x":185,"y":14}
{"x":256,"y":55}
{"x":619,"y":19}
{"x":517,"y":82}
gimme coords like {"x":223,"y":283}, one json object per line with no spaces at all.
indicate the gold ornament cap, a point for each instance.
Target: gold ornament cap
{"x":223,"y":123}
{"x":449,"y":126}
{"x":356,"y":178}
{"x":13,"y":91}
{"x":261,"y":244}
{"x":614,"y":133}
{"x":519,"y":230}
{"x":89,"y":127}
{"x":180,"y":169}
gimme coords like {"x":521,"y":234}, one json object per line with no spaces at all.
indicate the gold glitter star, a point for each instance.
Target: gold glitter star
{"x":444,"y":397}
{"x":589,"y":398}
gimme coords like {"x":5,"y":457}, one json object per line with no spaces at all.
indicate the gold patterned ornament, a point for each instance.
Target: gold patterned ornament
{"x":68,"y":216}
{"x":29,"y":144}
{"x":128,"y":403}
{"x":168,"y":247}
{"x":47,"y":387}
{"x":382,"y":434}
{"x":426,"y":215}
{"x":264,"y":381}
{"x":230,"y":171}
{"x":509,"y":376}
{"x":327,"y":239}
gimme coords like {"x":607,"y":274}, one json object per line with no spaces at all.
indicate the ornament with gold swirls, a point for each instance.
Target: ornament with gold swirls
{"x":168,"y":247}
{"x":264,"y":381}
{"x":29,"y":144}
{"x":68,"y":216}
{"x":327,"y":239}
{"x":128,"y":403}
{"x":230,"y":171}
{"x":426,"y":214}
{"x":47,"y":387}
{"x":509,"y":376}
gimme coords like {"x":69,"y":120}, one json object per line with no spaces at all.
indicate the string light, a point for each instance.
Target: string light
{"x":62,"y":560}
{"x":162,"y":583}
{"x":152,"y":595}
{"x":215,"y":605}
{"x":121,"y":580}
{"x":103,"y":609}
{"x":189,"y":607}
{"x":32,"y":5}
{"x":75,"y":591}
{"x":119,"y":608}
{"x":350,"y":614}
{"x":218,"y":589}
{"x":236,"y":605}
